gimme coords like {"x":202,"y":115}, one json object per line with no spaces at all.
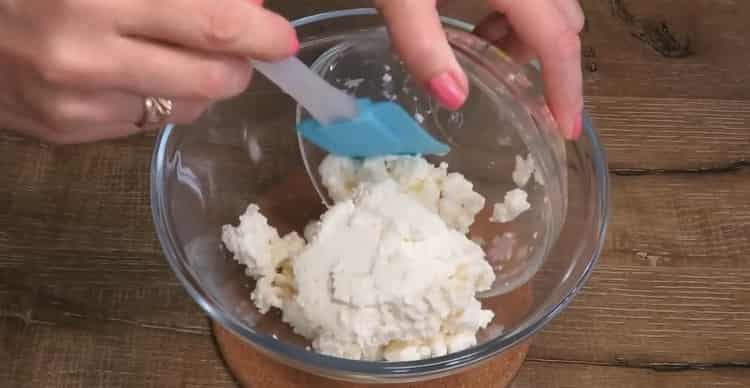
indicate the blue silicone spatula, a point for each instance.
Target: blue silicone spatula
{"x":346,"y":126}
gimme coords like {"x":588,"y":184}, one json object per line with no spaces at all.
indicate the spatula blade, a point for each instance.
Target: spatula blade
{"x":382,"y":128}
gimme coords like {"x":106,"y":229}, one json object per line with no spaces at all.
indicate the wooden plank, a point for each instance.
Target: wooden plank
{"x":673,"y":284}
{"x":671,"y":133}
{"x":91,"y":197}
{"x":92,"y":353}
{"x":536,"y":374}
{"x":623,"y":62}
{"x":67,"y":298}
{"x":667,"y":112}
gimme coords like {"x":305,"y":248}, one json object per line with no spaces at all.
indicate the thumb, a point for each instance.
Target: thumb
{"x":418,"y":36}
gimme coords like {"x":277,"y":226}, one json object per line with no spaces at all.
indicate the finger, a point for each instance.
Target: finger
{"x":183,"y":111}
{"x":81,"y":134}
{"x":234,"y":27}
{"x":150,"y":69}
{"x":573,"y":13}
{"x":68,"y":109}
{"x":418,"y":36}
{"x":73,"y":133}
{"x":517,"y":49}
{"x":547,"y":31}
{"x":493,"y":27}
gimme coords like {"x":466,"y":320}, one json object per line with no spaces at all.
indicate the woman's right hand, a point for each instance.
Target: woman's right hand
{"x":78,"y":70}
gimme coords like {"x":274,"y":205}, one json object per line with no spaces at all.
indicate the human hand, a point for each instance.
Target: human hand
{"x":78,"y":70}
{"x":547,"y":29}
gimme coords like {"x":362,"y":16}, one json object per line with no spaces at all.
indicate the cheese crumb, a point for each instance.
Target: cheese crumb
{"x":265,"y":255}
{"x":514,"y":205}
{"x":523,"y":171}
{"x":353,"y":83}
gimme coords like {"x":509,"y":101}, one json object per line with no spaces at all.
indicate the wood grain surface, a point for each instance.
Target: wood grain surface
{"x":87,"y":300}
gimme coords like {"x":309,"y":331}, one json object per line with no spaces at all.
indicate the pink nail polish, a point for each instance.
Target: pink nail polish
{"x":447,"y":91}
{"x":575,"y":131}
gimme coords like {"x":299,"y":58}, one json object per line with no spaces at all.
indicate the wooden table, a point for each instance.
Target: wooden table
{"x":86,"y":298}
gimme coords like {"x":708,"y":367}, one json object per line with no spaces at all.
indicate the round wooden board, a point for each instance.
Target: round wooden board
{"x":254,"y":370}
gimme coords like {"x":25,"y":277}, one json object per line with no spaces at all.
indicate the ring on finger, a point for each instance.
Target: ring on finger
{"x":156,"y":111}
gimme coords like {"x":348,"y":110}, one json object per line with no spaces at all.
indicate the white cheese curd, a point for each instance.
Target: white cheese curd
{"x":265,"y":255}
{"x":514,"y":205}
{"x":387,"y":273}
{"x":451,"y":195}
{"x":523,"y":171}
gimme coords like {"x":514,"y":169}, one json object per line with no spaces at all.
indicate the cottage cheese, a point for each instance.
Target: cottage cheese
{"x":513,"y":205}
{"x":516,"y":201}
{"x":450,"y":195}
{"x":265,"y":255}
{"x":524,"y":169}
{"x":387,"y":273}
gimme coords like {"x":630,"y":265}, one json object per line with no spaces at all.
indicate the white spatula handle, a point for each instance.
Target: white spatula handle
{"x":324,"y":102}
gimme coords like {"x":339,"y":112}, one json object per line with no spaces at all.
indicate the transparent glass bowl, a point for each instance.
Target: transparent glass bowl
{"x":245,"y":150}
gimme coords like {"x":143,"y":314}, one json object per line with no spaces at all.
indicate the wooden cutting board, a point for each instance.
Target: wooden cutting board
{"x":254,"y":370}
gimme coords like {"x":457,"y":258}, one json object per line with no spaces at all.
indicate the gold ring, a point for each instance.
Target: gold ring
{"x":156,"y":111}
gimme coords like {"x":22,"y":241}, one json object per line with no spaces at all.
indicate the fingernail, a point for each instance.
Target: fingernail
{"x":446,"y":89}
{"x":575,"y":131}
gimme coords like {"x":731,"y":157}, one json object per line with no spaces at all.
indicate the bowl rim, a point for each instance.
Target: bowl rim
{"x":355,"y":369}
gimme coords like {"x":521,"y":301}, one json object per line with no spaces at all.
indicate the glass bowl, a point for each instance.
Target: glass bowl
{"x":244,"y":150}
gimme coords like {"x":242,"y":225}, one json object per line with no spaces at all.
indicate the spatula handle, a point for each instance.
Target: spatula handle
{"x":324,"y":102}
